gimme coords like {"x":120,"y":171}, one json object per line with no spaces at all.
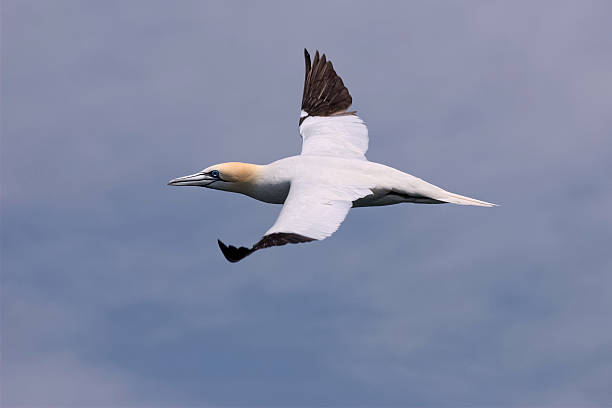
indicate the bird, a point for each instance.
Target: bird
{"x":331,"y":175}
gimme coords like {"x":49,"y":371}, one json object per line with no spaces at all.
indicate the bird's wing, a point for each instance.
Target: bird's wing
{"x":311,"y":212}
{"x":316,"y":210}
{"x":326,"y":127}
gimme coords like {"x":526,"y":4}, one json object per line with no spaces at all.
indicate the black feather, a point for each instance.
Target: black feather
{"x":234,"y":254}
{"x":324,"y":92}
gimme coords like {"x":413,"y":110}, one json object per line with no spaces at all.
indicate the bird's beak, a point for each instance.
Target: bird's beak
{"x":198,"y":179}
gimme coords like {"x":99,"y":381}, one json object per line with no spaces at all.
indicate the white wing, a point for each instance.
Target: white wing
{"x":316,"y":211}
{"x":311,"y":212}
{"x":326,"y":127}
{"x":342,"y":135}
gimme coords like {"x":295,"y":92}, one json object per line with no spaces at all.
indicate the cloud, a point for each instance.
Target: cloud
{"x":113,"y":289}
{"x":62,"y":381}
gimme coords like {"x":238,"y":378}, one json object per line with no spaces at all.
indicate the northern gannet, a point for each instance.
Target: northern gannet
{"x":331,"y":175}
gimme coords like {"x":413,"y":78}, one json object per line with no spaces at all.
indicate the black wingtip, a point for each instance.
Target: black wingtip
{"x":233,"y":254}
{"x":324,"y":92}
{"x":307,"y":61}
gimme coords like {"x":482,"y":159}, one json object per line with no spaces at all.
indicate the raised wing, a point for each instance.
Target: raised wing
{"x":311,"y":212}
{"x":326,"y":127}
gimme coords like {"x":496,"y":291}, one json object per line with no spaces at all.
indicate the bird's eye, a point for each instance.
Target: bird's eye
{"x":215,"y":173}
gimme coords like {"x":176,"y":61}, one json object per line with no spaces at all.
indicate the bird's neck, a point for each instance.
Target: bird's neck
{"x":262,"y":182}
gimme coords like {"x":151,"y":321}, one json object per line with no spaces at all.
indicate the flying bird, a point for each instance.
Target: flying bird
{"x":329,"y":177}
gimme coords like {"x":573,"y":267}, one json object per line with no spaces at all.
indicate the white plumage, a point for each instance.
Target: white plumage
{"x":330,"y":176}
{"x":315,"y":209}
{"x":337,"y":136}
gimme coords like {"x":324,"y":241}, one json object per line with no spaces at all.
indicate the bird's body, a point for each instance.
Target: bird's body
{"x":270,"y":183}
{"x":330,"y":176}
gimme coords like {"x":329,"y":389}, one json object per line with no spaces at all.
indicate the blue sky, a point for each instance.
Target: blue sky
{"x":114,"y":291}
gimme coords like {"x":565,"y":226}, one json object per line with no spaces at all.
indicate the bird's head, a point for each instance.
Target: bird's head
{"x":233,"y":176}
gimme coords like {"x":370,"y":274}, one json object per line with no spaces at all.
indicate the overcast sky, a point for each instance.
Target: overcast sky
{"x":114,"y":291}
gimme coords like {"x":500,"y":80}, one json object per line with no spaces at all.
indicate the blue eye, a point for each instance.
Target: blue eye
{"x":215,"y":173}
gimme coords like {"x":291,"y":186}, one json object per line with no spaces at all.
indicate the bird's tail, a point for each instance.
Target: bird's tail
{"x":423,"y":189}
{"x":462,"y":200}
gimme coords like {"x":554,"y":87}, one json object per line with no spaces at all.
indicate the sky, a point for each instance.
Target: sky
{"x":114,"y":292}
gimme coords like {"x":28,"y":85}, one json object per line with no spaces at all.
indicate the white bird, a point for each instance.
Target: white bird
{"x":331,"y":175}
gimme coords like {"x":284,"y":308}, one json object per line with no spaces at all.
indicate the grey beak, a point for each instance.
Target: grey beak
{"x":198,"y":179}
